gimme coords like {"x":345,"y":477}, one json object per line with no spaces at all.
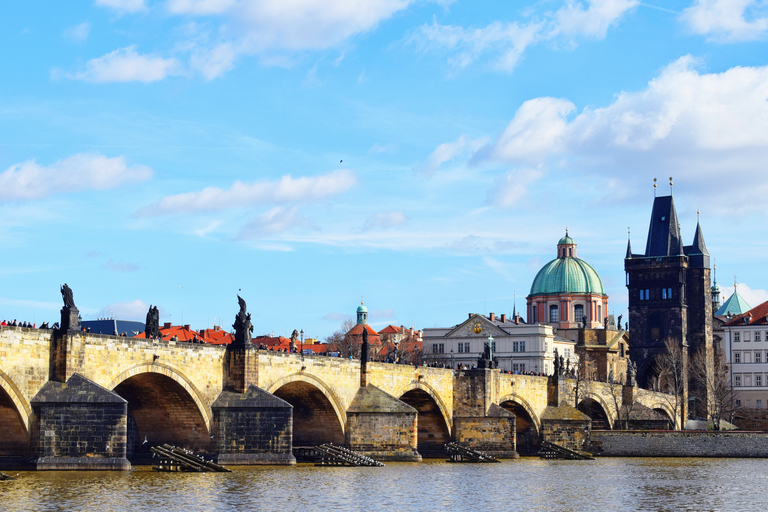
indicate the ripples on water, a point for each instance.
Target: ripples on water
{"x":609,"y":484}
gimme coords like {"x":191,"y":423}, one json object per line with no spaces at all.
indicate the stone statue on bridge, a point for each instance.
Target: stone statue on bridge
{"x":243,"y":327}
{"x":557,"y":365}
{"x":631,"y":373}
{"x":294,"y":347}
{"x":70,"y":316}
{"x":152,"y":325}
{"x":66,"y":294}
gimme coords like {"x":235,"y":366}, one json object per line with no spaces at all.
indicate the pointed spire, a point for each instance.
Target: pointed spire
{"x":629,"y":246}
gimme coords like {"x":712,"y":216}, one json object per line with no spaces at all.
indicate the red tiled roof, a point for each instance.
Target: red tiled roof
{"x":358,"y":330}
{"x":185,"y":333}
{"x":756,"y":315}
{"x":391,"y":329}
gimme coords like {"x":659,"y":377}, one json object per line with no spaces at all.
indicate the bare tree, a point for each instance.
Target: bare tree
{"x":672,"y":372}
{"x":624,"y":402}
{"x":340,"y":342}
{"x":582,"y":375}
{"x":720,"y":400}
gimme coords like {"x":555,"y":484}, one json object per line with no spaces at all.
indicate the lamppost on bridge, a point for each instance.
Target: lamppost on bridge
{"x":301,"y":334}
{"x":453,"y":361}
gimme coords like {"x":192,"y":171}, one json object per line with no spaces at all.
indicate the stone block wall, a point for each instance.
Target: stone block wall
{"x":571,"y":434}
{"x":493,"y":435}
{"x":611,"y":443}
{"x":383,"y":436}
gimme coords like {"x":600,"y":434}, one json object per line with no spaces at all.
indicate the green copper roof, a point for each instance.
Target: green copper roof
{"x":566,"y":240}
{"x":362,"y":309}
{"x":567,"y":275}
{"x":735,"y":305}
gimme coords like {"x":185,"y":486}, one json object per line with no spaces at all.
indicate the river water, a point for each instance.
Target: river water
{"x":609,"y":484}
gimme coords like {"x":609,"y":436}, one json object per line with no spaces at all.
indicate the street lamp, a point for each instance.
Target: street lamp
{"x":453,"y":361}
{"x":301,"y":333}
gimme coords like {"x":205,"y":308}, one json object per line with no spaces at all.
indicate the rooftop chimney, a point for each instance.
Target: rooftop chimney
{"x":492,"y":316}
{"x":503,"y":318}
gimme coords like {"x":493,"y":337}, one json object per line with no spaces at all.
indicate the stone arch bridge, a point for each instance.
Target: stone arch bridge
{"x":77,"y":400}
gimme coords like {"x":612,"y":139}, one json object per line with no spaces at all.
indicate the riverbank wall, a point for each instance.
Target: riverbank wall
{"x":654,"y":443}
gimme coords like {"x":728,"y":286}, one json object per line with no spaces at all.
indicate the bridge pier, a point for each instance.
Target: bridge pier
{"x":479,"y":422}
{"x":250,"y":428}
{"x":79,"y":425}
{"x":382,"y":427}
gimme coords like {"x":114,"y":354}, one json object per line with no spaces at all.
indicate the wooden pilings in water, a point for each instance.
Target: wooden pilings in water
{"x":555,"y":451}
{"x":461,"y":453}
{"x":177,"y":459}
{"x":333,"y":455}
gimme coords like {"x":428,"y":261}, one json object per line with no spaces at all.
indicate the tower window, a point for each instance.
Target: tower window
{"x":554,"y":314}
{"x":578,"y":313}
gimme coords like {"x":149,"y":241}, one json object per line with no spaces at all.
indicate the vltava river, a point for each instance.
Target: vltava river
{"x":527,"y":484}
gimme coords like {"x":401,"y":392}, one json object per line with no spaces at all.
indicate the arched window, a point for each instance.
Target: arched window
{"x":599,"y":313}
{"x":554,"y":314}
{"x":578,"y":313}
{"x":535,"y":318}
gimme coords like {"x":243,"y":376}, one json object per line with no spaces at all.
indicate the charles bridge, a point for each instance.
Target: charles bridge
{"x":70,"y":399}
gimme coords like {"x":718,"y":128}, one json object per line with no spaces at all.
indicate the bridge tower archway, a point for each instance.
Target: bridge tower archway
{"x":163,"y":407}
{"x":431,"y":422}
{"x":14,"y":419}
{"x":317,"y":417}
{"x":527,"y":424}
{"x":598,"y":412}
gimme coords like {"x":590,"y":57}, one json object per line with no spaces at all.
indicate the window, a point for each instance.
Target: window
{"x":736,"y":337}
{"x":746,"y":336}
{"x":599,"y":313}
{"x":578,"y":313}
{"x":522,"y":346}
{"x":738,"y":403}
{"x":554,"y":314}
{"x":663,"y":293}
{"x":758,"y":380}
{"x":757,"y":337}
{"x":464,"y":348}
{"x":438,"y":348}
{"x":518,"y":367}
{"x":642,"y":294}
{"x":515,"y":346}
{"x":737,"y":357}
{"x":737,"y":381}
{"x":758,"y":404}
{"x":647,"y":294}
{"x":493,"y":346}
{"x":758,"y":357}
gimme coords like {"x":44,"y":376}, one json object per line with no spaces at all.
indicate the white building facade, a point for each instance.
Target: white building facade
{"x":746,"y":351}
{"x":517,"y":346}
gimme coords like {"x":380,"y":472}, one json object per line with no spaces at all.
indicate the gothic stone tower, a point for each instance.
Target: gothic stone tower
{"x":669,"y":292}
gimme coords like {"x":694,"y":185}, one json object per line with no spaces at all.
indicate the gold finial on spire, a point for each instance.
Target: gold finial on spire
{"x":734,"y":282}
{"x":654,"y":187}
{"x":670,"y":185}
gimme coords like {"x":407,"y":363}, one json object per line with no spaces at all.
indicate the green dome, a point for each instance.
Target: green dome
{"x":362,"y":309}
{"x":567,"y":275}
{"x":566,"y":240}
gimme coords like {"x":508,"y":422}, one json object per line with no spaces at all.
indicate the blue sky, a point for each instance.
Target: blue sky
{"x":424,"y":155}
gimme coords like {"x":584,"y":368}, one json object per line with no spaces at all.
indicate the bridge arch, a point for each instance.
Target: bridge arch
{"x":596,"y":408}
{"x":14,"y":418}
{"x":433,"y":423}
{"x":318,"y":416}
{"x":527,"y":424}
{"x":164,"y":406}
{"x":666,"y":411}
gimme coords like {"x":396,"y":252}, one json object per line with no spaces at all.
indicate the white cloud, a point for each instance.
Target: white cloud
{"x":215,"y":61}
{"x":505,"y":43}
{"x":385,"y":220}
{"x":513,"y":186}
{"x":79,"y":32}
{"x":728,"y":20}
{"x":697,"y":127}
{"x":123,"y":5}
{"x":115,"y":266}
{"x":266,"y":25}
{"x":592,"y":20}
{"x":277,"y":220}
{"x":447,"y":151}
{"x":29,"y":180}
{"x":130,"y":310}
{"x":285,"y":190}
{"x":126,"y":65}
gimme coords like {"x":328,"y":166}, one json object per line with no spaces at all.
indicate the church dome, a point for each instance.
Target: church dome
{"x":567,"y":275}
{"x":361,"y":308}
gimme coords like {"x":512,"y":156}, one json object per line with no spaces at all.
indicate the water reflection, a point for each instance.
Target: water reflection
{"x":525,"y":484}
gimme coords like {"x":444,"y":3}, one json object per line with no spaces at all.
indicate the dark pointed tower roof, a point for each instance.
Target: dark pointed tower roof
{"x":698,"y":251}
{"x":664,"y":231}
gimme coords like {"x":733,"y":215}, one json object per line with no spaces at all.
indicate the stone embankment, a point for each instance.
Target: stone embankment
{"x":614,"y":443}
